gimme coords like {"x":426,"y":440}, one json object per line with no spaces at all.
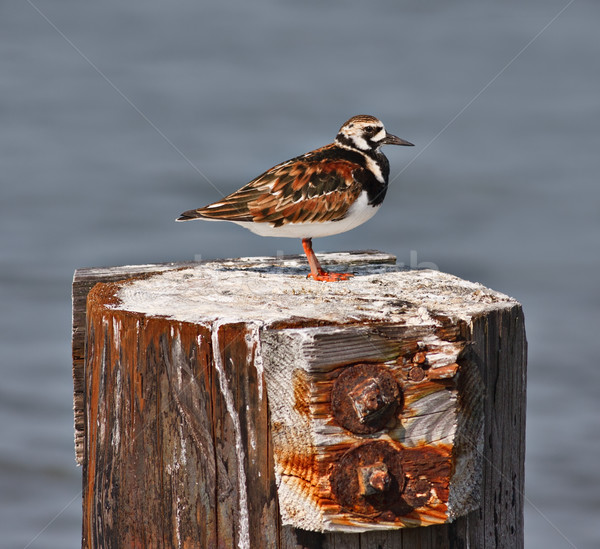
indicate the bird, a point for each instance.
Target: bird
{"x":327,"y":191}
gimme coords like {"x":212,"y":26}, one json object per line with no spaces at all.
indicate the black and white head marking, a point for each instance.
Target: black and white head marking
{"x":365,"y":133}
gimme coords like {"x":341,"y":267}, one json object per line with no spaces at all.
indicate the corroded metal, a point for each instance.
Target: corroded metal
{"x":420,"y":357}
{"x":365,"y":397}
{"x":417,"y":492}
{"x":416,"y":374}
{"x":373,"y":478}
{"x":369,"y":480}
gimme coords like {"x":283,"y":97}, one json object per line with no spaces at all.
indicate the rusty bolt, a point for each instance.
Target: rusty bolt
{"x":420,"y":357}
{"x":416,"y":373}
{"x":369,"y":479}
{"x":368,"y":399}
{"x":379,"y":480}
{"x":373,"y":478}
{"x":365,"y":397}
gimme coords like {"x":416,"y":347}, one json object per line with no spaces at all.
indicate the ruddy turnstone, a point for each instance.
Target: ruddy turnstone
{"x":321,"y":193}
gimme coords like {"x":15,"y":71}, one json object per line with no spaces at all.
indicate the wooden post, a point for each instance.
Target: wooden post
{"x":239,"y":404}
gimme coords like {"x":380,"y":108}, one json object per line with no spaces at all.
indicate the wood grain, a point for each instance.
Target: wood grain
{"x":431,"y":426}
{"x":186,"y":377}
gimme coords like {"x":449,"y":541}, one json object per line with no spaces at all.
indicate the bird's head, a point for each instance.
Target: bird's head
{"x":366,"y":133}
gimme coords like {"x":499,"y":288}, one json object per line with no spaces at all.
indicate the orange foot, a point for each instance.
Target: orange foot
{"x":324,"y":276}
{"x":316,"y":271}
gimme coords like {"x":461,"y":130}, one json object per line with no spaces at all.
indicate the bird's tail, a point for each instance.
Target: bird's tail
{"x":190,"y":214}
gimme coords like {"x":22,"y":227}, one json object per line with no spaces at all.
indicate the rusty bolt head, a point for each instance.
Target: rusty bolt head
{"x":365,"y":397}
{"x":369,"y":479}
{"x":379,"y":481}
{"x":416,"y":373}
{"x":373,"y":478}
{"x":368,"y":399}
{"x":420,"y":357}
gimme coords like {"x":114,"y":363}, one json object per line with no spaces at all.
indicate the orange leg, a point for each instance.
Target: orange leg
{"x":316,"y":271}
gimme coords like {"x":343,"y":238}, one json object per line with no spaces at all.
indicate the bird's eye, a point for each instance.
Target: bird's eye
{"x":369,"y":129}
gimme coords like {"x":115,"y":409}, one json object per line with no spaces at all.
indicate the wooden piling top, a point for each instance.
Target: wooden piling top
{"x":270,"y":291}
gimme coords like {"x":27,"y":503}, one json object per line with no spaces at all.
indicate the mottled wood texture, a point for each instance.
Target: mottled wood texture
{"x":436,"y":431}
{"x":172,"y":423}
{"x":83,"y":281}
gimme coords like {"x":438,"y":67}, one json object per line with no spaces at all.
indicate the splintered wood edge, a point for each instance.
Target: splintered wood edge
{"x":84,"y":279}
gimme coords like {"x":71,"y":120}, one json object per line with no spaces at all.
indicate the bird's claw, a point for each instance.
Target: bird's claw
{"x":329,"y":277}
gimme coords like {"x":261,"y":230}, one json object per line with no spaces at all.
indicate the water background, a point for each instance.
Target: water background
{"x":117,"y":116}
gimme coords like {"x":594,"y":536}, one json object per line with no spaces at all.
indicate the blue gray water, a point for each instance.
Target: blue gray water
{"x":117,"y":116}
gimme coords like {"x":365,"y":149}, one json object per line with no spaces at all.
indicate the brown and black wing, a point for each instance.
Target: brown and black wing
{"x":316,"y":187}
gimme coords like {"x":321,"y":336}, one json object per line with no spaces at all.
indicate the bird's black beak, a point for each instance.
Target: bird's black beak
{"x":390,"y":139}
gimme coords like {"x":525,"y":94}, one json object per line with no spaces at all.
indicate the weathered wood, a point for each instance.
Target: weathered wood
{"x":177,"y":445}
{"x":303,"y":369}
{"x":83,"y":281}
